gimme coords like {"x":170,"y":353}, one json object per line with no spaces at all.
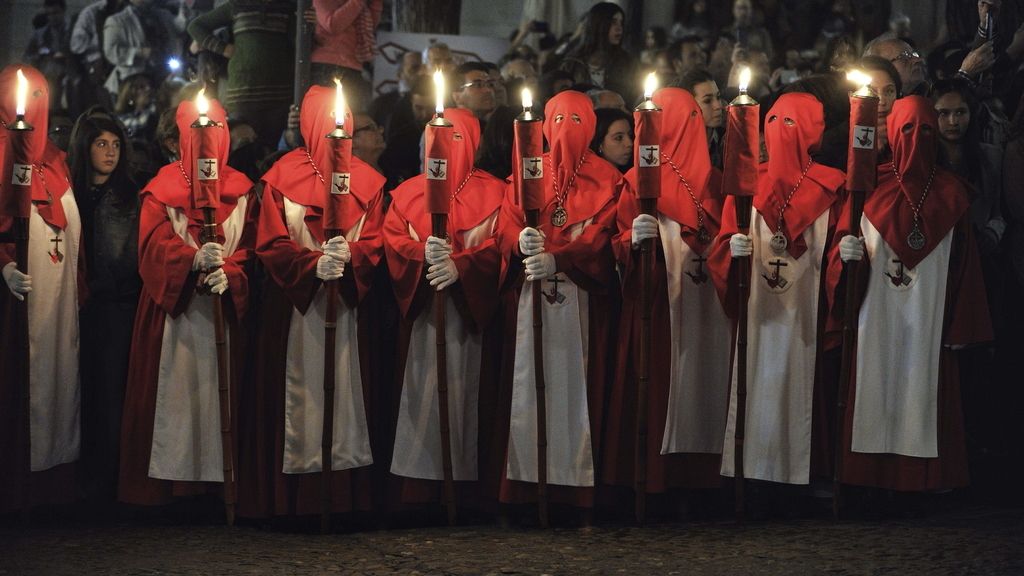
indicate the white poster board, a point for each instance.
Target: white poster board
{"x":392,"y":45}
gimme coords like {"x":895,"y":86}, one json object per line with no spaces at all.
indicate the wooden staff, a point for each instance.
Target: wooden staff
{"x":528,"y":177}
{"x":647,"y":151}
{"x":437,"y":138}
{"x":206,"y":197}
{"x":18,"y":204}
{"x":340,"y":142}
{"x":740,"y":180}
{"x":861,"y":177}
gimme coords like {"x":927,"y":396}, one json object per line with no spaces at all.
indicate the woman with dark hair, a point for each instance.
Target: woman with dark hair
{"x":109,"y":207}
{"x":600,"y":60}
{"x":613,"y":138}
{"x":885,"y":80}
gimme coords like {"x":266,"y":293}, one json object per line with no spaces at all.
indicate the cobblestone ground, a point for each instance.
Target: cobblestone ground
{"x":965,"y":539}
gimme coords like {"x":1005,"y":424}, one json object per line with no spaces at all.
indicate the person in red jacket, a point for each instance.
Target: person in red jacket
{"x":171,"y":435}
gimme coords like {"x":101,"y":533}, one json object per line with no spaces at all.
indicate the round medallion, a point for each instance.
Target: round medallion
{"x":916,"y":239}
{"x":559,"y":217}
{"x":778,"y":243}
{"x":703,"y":236}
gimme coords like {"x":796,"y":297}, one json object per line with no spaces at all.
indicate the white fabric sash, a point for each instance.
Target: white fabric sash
{"x":54,"y":395}
{"x":700,"y":330}
{"x":898,"y":350}
{"x":569,"y":453}
{"x":417,"y":452}
{"x":186,"y":427}
{"x":304,"y":375}
{"x":781,"y":350}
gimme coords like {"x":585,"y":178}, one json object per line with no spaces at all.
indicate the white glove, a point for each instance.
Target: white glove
{"x":329,"y":268}
{"x":208,"y":257}
{"x":436,"y":249}
{"x":645,"y":227}
{"x":851,"y":248}
{"x":17,"y":282}
{"x":443,"y":273}
{"x":531,"y":242}
{"x":740,"y":245}
{"x":539,"y":266}
{"x":338,"y":249}
{"x":998,"y":227}
{"x":217,"y":281}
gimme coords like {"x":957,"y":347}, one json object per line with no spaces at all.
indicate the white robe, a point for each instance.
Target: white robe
{"x":417,"y":452}
{"x":186,"y":427}
{"x":54,"y":394}
{"x":699,"y":364}
{"x":781,"y":352}
{"x":570,"y":459}
{"x":304,"y":375}
{"x":898,"y":352}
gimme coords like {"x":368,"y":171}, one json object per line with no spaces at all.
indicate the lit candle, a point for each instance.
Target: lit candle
{"x":650,"y":85}
{"x":528,"y":173}
{"x":203,"y":105}
{"x":339,"y":104}
{"x":744,"y":80}
{"x":647,"y":146}
{"x":527,"y":99}
{"x":742,"y":146}
{"x":439,"y":93}
{"x":21,"y":95}
{"x":861,"y":167}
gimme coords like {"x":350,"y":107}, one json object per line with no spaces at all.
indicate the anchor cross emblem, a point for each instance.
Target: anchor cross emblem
{"x":776,"y":280}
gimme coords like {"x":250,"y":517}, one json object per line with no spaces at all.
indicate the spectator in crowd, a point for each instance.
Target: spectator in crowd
{"x":439,"y":57}
{"x":386,"y":105}
{"x":720,"y":60}
{"x":49,"y":48}
{"x":840,"y":53}
{"x":474,"y":89}
{"x":600,"y":60}
{"x":885,"y":81}
{"x":688,"y":55}
{"x":260,"y":59}
{"x":607,"y":99}
{"x":500,"y":90}
{"x":613,"y":137}
{"x":136,"y":107}
{"x":87,"y":47}
{"x":138,"y":39}
{"x":109,"y":206}
{"x":367,"y":140}
{"x":907,"y":60}
{"x":401,"y":157}
{"x":664,"y":68}
{"x":745,"y":32}
{"x":519,"y":69}
{"x":692,"y":19}
{"x":704,"y":90}
{"x":787,"y":73}
{"x":654,"y":41}
{"x":344,"y":42}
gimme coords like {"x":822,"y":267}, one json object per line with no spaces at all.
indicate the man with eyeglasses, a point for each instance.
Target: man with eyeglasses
{"x":473,"y":90}
{"x":907,"y":60}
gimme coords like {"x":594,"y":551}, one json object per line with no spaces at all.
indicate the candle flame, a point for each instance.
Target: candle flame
{"x":439,"y":91}
{"x":527,"y":99}
{"x":650,"y":85}
{"x":202,"y":104}
{"x":744,"y":79}
{"x":859,"y":78}
{"x":21,"y":95}
{"x":339,"y":103}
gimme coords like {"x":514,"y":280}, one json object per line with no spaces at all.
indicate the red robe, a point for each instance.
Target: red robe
{"x":474,"y":211}
{"x":50,"y":182}
{"x":682,"y":132}
{"x":291,"y":286}
{"x":169,"y":287}
{"x":588,"y":262}
{"x":966,"y":319}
